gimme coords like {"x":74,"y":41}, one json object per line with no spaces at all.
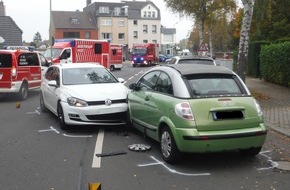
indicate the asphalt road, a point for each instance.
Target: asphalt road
{"x":36,"y":154}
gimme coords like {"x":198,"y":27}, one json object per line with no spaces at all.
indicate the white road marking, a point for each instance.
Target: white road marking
{"x":98,"y":149}
{"x":51,"y":129}
{"x":273,"y":164}
{"x":171,"y":170}
{"x":34,"y":112}
{"x":77,"y":136}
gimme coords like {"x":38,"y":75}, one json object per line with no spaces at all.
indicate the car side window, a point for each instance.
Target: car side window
{"x":52,"y":73}
{"x":164,"y":84}
{"x":148,"y":82}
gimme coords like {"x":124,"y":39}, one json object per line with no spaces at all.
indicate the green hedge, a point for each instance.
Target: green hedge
{"x":275,"y":63}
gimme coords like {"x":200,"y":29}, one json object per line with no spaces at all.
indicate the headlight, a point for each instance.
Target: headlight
{"x":259,"y":110}
{"x":76,"y":102}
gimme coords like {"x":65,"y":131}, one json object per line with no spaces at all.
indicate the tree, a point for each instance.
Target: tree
{"x":37,"y":37}
{"x":244,"y":38}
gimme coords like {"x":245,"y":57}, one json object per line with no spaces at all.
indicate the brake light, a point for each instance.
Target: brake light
{"x":183,"y":110}
{"x":13,"y":72}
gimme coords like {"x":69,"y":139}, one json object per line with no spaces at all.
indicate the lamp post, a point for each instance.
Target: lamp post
{"x":50,"y":33}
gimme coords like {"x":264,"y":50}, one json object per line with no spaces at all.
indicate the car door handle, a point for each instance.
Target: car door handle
{"x":146,"y":98}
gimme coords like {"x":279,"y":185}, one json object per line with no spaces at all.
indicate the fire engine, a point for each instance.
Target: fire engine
{"x":85,"y":50}
{"x":145,"y":54}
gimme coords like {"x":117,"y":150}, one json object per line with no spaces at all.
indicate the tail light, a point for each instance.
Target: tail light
{"x":259,"y":110}
{"x":183,"y":110}
{"x":13,"y":72}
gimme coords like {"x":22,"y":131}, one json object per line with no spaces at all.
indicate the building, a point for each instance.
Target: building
{"x":10,"y":33}
{"x":168,"y":41}
{"x":73,"y":24}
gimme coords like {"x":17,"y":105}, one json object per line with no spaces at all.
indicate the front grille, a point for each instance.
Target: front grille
{"x":108,"y":118}
{"x":102,"y":102}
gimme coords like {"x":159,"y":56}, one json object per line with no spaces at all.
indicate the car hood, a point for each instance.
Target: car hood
{"x":96,"y":92}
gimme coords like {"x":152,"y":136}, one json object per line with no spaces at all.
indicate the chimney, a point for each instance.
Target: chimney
{"x":2,"y":9}
{"x":89,"y":2}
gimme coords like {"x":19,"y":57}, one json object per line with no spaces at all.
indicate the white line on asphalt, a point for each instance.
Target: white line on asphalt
{"x":273,"y":164}
{"x":171,"y":170}
{"x":77,"y":136}
{"x":98,"y":149}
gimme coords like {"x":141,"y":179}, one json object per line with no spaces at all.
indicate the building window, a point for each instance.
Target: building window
{"x":154,"y":41}
{"x":104,"y":10}
{"x":121,"y":36}
{"x":88,"y":35}
{"x":145,"y":29}
{"x":135,"y":34}
{"x":154,"y":29}
{"x":144,"y":14}
{"x":145,"y":41}
{"x":106,"y":36}
{"x":121,"y":23}
{"x":74,"y":21}
{"x":135,"y":22}
{"x":117,"y":11}
{"x":153,"y":14}
{"x":149,"y":14}
{"x":71,"y":35}
{"x":106,"y":22}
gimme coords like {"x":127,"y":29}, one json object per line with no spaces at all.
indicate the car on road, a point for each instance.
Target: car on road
{"x":192,"y":60}
{"x":83,"y":94}
{"x":196,"y":110}
{"x":162,"y":58}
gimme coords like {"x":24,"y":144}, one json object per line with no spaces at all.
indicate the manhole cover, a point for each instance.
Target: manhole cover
{"x":139,"y":147}
{"x":283,"y":165}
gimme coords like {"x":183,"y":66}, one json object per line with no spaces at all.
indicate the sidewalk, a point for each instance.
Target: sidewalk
{"x":275,"y":103}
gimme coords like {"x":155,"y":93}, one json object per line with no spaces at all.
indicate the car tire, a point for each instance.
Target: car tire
{"x":23,"y":92}
{"x":42,"y":104}
{"x":252,"y":152}
{"x":112,"y":68}
{"x":61,"y":119}
{"x":129,"y":124}
{"x":169,"y":150}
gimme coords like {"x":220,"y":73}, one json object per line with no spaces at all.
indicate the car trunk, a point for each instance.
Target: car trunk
{"x":222,"y":113}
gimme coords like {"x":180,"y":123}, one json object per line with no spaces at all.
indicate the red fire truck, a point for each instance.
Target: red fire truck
{"x":145,"y":54}
{"x":85,"y":50}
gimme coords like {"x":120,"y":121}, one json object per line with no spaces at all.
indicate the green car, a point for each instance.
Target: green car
{"x":193,"y":108}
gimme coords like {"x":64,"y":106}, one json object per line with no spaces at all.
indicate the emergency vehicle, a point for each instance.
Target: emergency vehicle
{"x":20,"y":71}
{"x":85,"y":50}
{"x":145,"y":54}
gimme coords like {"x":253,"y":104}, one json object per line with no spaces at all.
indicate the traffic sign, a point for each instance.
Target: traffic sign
{"x":203,"y":47}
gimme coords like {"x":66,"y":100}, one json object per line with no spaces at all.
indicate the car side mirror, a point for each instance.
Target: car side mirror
{"x":133,"y":86}
{"x":52,"y":83}
{"x":121,"y":80}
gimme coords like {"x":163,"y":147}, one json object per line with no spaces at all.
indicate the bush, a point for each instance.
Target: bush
{"x":275,"y":63}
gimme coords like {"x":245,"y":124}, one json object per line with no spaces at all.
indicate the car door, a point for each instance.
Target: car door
{"x":139,"y":98}
{"x":50,"y":92}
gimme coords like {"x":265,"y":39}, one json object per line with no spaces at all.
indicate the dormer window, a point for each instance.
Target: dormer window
{"x":74,"y":21}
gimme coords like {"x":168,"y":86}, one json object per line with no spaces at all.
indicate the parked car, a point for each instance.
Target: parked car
{"x":196,"y":110}
{"x":162,"y":58}
{"x":192,"y":60}
{"x":83,"y":94}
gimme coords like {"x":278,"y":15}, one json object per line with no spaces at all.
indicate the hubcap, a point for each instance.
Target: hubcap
{"x":166,"y":144}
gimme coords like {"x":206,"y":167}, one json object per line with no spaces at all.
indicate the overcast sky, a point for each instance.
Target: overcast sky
{"x":32,"y":16}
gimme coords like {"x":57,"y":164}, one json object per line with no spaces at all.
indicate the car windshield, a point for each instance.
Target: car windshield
{"x":55,"y":52}
{"x":196,"y":61}
{"x":77,"y":76}
{"x":215,"y":86}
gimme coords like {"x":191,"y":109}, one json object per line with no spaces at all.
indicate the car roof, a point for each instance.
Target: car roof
{"x":188,"y":69}
{"x":79,"y":65}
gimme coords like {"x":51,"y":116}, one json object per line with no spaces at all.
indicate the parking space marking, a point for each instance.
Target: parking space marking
{"x":171,"y":170}
{"x":98,"y":149}
{"x":34,"y":112}
{"x":63,"y":134}
{"x":51,"y":129}
{"x":273,"y":164}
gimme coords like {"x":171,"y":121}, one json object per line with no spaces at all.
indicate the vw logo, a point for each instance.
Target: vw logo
{"x":108,"y":102}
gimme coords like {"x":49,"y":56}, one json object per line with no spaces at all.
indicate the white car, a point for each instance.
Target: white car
{"x":84,"y":94}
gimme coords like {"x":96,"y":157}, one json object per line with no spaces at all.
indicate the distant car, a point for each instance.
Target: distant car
{"x":162,"y":58}
{"x":196,"y":110}
{"x":192,"y":60}
{"x":84,"y":94}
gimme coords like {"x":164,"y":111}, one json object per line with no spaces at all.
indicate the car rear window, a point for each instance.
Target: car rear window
{"x":28,"y":59}
{"x":216,"y":86}
{"x":198,"y":61}
{"x":5,"y":60}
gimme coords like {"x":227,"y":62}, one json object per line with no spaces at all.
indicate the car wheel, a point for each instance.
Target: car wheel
{"x":23,"y":92}
{"x":134,"y":65}
{"x":129,"y":124}
{"x":169,"y":150}
{"x":42,"y":104}
{"x":251,"y":152}
{"x":60,"y":114}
